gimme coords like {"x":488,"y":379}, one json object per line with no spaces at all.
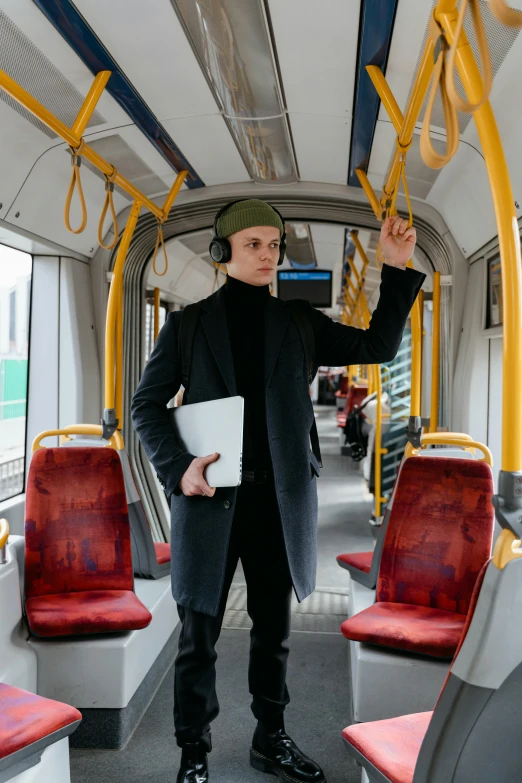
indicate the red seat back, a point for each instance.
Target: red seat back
{"x":439,"y":533}
{"x":356,"y":395}
{"x":77,"y":533}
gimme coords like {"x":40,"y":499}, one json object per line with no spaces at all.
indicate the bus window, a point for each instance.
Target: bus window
{"x":15,"y":306}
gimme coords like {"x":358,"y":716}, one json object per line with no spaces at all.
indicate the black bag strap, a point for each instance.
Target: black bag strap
{"x":307,"y":336}
{"x":187,"y":330}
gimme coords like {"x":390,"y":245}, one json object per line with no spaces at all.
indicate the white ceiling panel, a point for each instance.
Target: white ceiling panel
{"x":207,"y":144}
{"x":322,"y":145}
{"x":149,"y":44}
{"x":317,"y":53}
{"x":41,"y":202}
{"x":20,"y":145}
{"x":28,"y":17}
{"x":406,"y":47}
{"x":462,"y":196}
{"x":382,"y":150}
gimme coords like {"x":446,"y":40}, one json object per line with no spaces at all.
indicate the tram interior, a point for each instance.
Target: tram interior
{"x":404,"y":663}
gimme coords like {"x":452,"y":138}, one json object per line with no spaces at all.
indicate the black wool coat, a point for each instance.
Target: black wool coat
{"x":201,"y":526}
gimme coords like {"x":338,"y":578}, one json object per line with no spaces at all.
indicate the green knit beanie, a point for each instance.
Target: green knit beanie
{"x":247,"y":214}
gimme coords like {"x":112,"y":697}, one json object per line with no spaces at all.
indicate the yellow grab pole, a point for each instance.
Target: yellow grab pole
{"x":416,"y":353}
{"x":378,"y":450}
{"x":73,"y":137}
{"x":435,"y":354}
{"x":157,"y":294}
{"x":370,"y":193}
{"x":89,"y":104}
{"x":509,"y":242}
{"x":119,"y":355}
{"x":386,"y":96}
{"x":112,"y":309}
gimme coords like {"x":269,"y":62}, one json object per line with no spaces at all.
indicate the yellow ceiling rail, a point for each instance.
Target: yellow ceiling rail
{"x":73,"y":136}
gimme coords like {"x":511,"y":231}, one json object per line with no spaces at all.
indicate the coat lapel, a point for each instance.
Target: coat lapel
{"x":277,"y":318}
{"x":214,"y":322}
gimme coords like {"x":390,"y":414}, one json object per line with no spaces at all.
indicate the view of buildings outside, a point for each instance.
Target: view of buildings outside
{"x":15,"y":302}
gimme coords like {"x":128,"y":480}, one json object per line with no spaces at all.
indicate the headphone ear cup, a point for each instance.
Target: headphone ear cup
{"x":282,"y":251}
{"x":220,"y":250}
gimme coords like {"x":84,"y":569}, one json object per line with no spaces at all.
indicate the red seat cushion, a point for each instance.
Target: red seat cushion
{"x":26,"y":718}
{"x":94,"y":611}
{"x":417,"y":629}
{"x":393,"y":746}
{"x":360,"y":560}
{"x":162,"y":552}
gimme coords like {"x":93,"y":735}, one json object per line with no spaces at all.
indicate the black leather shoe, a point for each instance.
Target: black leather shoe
{"x":277,"y":754}
{"x":194,"y":767}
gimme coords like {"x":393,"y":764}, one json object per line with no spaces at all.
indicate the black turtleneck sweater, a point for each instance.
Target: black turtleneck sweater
{"x":245,"y":306}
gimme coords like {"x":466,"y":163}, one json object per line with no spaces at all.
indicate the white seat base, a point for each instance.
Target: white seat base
{"x":385,"y":683}
{"x":53,"y":767}
{"x":105,"y":671}
{"x":17,"y":659}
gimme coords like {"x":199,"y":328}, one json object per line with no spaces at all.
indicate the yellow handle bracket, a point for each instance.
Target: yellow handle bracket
{"x":4,"y":532}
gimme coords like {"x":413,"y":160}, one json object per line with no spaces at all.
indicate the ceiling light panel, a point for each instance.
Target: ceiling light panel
{"x":317,"y":60}
{"x":232,"y":44}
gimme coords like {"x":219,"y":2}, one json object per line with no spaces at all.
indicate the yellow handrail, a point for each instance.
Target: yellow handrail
{"x":115,"y":441}
{"x":435,"y":354}
{"x":157,"y":294}
{"x":378,"y":450}
{"x":450,"y":439}
{"x":505,"y":14}
{"x":4,"y":532}
{"x":416,"y":359}
{"x":509,"y":241}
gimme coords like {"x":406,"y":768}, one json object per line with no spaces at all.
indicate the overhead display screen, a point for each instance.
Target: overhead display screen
{"x":315,"y":286}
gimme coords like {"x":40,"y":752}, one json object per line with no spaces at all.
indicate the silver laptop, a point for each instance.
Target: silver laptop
{"x":207,"y":427}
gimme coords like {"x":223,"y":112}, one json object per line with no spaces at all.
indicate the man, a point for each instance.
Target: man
{"x":247,"y":343}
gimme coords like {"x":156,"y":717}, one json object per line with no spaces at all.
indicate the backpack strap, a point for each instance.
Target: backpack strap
{"x":307,"y":336}
{"x":187,"y":330}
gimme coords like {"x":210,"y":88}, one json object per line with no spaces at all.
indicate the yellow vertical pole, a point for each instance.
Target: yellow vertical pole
{"x":509,"y":241}
{"x":112,"y":310}
{"x":378,"y":450}
{"x":435,"y":354}
{"x":416,"y":353}
{"x":119,"y":356}
{"x":157,"y":294}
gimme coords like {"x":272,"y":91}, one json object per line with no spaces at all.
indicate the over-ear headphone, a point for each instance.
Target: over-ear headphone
{"x":219,"y":248}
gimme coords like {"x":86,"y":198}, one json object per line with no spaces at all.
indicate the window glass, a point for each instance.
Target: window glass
{"x":15,"y":307}
{"x":149,"y":326}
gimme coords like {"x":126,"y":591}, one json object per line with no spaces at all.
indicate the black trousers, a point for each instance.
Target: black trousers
{"x":256,"y":538}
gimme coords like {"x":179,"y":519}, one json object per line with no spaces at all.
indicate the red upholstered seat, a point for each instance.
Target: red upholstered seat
{"x":438,"y":538}
{"x":355,"y":396}
{"x":416,"y":629}
{"x":392,"y":746}
{"x":92,"y":611}
{"x":360,"y":560}
{"x":78,"y":564}
{"x":162,"y":552}
{"x":26,"y":718}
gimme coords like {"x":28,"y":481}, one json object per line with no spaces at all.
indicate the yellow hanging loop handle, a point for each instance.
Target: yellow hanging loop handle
{"x":505,"y":14}
{"x":160,"y":240}
{"x":76,"y":181}
{"x":403,"y":149}
{"x":430,"y":157}
{"x":487,"y":76}
{"x":109,"y":202}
